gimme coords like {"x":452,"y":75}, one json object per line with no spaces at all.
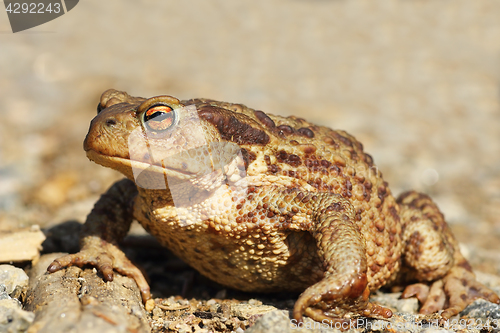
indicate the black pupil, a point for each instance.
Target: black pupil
{"x":156,"y":115}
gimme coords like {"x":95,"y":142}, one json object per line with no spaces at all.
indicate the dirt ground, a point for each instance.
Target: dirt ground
{"x":418,"y":82}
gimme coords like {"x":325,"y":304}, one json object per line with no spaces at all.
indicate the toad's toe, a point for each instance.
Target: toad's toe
{"x":451,"y":294}
{"x":461,"y":289}
{"x":106,"y":258}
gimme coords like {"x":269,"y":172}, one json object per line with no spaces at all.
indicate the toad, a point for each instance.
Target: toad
{"x":264,"y":203}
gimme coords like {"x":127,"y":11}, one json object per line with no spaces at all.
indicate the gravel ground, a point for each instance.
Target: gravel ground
{"x":418,"y":82}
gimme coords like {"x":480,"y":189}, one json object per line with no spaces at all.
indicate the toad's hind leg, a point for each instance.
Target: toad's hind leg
{"x":343,"y":291}
{"x":432,"y":255}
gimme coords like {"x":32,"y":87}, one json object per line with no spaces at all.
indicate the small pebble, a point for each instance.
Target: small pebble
{"x":150,"y":305}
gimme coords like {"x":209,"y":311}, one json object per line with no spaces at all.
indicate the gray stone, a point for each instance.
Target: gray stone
{"x":248,"y":310}
{"x":3,"y":292}
{"x":14,"y":279}
{"x":12,"y":318}
{"x":394,"y":301}
{"x":481,"y":308}
{"x":279,"y":321}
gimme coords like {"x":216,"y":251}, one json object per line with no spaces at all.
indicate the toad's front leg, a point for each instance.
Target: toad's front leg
{"x":343,"y":291}
{"x":107,"y":224}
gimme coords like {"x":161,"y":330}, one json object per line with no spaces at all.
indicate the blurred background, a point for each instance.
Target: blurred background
{"x":416,"y":81}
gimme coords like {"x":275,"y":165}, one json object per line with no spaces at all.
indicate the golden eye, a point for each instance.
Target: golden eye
{"x":159,"y":118}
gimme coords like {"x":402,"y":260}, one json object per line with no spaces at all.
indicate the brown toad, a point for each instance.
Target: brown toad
{"x":264,"y":203}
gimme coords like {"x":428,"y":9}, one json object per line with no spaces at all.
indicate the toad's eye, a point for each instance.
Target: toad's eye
{"x":159,"y":118}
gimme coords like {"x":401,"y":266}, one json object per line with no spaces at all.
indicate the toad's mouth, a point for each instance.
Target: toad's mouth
{"x":133,"y":168}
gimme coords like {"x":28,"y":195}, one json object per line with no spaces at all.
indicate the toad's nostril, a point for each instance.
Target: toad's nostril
{"x":110,"y":122}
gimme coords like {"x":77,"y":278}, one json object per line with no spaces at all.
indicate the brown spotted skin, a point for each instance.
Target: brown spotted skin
{"x":327,"y":161}
{"x":315,"y":214}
